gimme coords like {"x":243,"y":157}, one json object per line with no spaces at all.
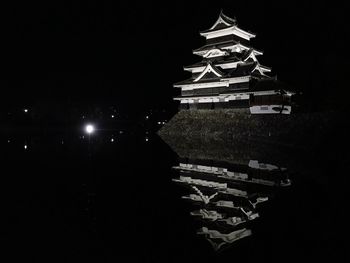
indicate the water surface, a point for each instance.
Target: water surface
{"x":66,"y":197}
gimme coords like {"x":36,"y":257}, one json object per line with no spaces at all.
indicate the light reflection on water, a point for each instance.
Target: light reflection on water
{"x":227,"y":196}
{"x":95,"y":191}
{"x":250,"y":196}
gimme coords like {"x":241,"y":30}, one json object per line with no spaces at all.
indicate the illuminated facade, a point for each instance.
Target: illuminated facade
{"x":229,"y":74}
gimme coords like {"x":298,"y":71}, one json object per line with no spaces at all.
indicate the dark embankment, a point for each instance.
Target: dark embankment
{"x":300,"y":130}
{"x":236,"y":151}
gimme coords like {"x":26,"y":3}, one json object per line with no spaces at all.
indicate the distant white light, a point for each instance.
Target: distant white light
{"x":8,"y":141}
{"x":89,"y":128}
{"x":25,"y":110}
{"x":112,"y":140}
{"x":25,"y":147}
{"x":147,"y":117}
{"x":112,"y":116}
{"x":159,"y":122}
{"x":146,"y":139}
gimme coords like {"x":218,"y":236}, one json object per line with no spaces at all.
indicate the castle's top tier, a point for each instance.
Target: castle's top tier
{"x":226,"y":27}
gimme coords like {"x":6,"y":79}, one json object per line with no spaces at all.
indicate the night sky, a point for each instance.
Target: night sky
{"x":128,"y":54}
{"x":68,"y":195}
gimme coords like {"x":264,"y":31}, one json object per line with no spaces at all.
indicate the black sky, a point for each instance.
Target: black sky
{"x":129,"y":53}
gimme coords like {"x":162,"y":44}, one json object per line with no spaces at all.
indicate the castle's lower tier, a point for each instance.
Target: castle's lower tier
{"x":266,"y":104}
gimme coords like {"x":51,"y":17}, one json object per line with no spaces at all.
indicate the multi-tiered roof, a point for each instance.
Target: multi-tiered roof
{"x":229,"y":69}
{"x":226,"y":55}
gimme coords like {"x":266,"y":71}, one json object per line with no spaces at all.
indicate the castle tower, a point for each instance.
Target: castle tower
{"x":230,"y":75}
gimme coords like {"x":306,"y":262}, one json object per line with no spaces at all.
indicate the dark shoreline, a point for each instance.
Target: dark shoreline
{"x":296,"y":130}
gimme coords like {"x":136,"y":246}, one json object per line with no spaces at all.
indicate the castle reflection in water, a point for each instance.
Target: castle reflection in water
{"x":227,"y":194}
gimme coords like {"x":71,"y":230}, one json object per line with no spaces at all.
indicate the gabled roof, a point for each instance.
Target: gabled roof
{"x":248,"y":68}
{"x":248,"y":53}
{"x":249,"y":56}
{"x":209,"y":74}
{"x":212,"y":73}
{"x":206,"y":73}
{"x":222,"y":22}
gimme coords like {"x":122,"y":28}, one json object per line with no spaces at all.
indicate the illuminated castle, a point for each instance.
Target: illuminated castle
{"x":229,"y":75}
